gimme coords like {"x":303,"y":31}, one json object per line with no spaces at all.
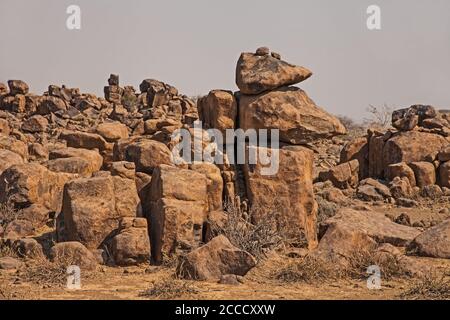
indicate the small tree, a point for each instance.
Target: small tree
{"x":379,"y":117}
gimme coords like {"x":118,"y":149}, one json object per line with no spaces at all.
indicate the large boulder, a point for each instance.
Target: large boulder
{"x":218,"y":257}
{"x":78,"y":139}
{"x":26,"y":184}
{"x":17,"y":87}
{"x":148,"y":154}
{"x":131,"y":245}
{"x":73,"y":253}
{"x":291,"y":186}
{"x":8,"y":159}
{"x":400,"y":170}
{"x":218,"y":110}
{"x":434,"y":242}
{"x":112,"y":131}
{"x":411,"y":146}
{"x":343,"y":176}
{"x":259,"y":73}
{"x":214,"y":183}
{"x":176,"y":206}
{"x":89,"y":161}
{"x":292,"y":112}
{"x":425,"y":173}
{"x":93,"y":207}
{"x":357,"y":149}
{"x":444,"y":174}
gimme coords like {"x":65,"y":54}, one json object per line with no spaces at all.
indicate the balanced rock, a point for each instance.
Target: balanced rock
{"x":256,"y":73}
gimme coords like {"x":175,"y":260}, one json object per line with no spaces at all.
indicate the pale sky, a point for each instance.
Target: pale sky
{"x":194,"y":45}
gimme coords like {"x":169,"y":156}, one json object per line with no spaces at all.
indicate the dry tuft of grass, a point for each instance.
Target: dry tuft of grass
{"x":309,"y":270}
{"x":7,"y":251}
{"x":429,"y":287}
{"x":8,"y":214}
{"x":169,"y":288}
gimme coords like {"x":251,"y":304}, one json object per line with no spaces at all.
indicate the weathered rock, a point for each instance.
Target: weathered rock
{"x":400,"y":170}
{"x":14,"y":145}
{"x":3,"y":89}
{"x":35,"y":124}
{"x":424,"y":172}
{"x":407,"y":119}
{"x":93,"y":207}
{"x":10,"y":263}
{"x":444,"y":154}
{"x":259,"y":73}
{"x":372,"y":190}
{"x":376,"y":165}
{"x":292,"y":184}
{"x":49,"y":104}
{"x":343,"y":176}
{"x":444,"y":174}
{"x":73,"y":253}
{"x":148,"y":154}
{"x":31,"y":183}
{"x":357,"y":149}
{"x":176,"y":206}
{"x":434,"y":242}
{"x":218,"y":257}
{"x":400,"y":187}
{"x":131,"y":245}
{"x":91,"y":157}
{"x":84,"y":140}
{"x":19,"y":228}
{"x":17,"y":87}
{"x":291,"y":111}
{"x":112,"y":131}
{"x":431,"y":191}
{"x":73,"y":165}
{"x":214,"y":183}
{"x":411,"y":146}
{"x":218,"y":110}
{"x":8,"y":159}
{"x":4,"y":127}
{"x":28,"y":247}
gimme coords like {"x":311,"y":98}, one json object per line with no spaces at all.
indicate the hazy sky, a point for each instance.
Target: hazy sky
{"x":194,"y":45}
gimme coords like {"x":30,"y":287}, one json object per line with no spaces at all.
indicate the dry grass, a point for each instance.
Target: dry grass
{"x":429,"y":287}
{"x":8,"y":214}
{"x":169,"y":288}
{"x":309,"y":270}
{"x":7,"y":251}
{"x":257,"y":238}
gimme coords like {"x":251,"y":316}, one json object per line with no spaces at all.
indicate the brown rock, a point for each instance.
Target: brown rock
{"x":218,"y":110}
{"x":4,"y":127}
{"x":444,"y":154}
{"x":434,"y":242}
{"x":91,"y":157}
{"x":400,"y":187}
{"x":10,"y":263}
{"x":291,"y":111}
{"x":292,"y":188}
{"x":84,"y":140}
{"x":424,"y":172}
{"x":73,"y":165}
{"x":17,"y":87}
{"x":35,"y":124}
{"x":444,"y":174}
{"x":49,"y":104}
{"x":400,"y":170}
{"x":8,"y":159}
{"x":376,"y":166}
{"x":357,"y":149}
{"x":12,"y":144}
{"x":148,"y":154}
{"x":218,"y":257}
{"x":131,"y":246}
{"x":112,"y":131}
{"x":343,"y":176}
{"x":73,"y":253}
{"x":256,"y":73}
{"x":176,"y":206}
{"x":214,"y":183}
{"x":372,"y":190}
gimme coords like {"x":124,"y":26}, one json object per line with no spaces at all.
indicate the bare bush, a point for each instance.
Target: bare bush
{"x":326,"y":209}
{"x":431,"y":286}
{"x":8,"y":214}
{"x":309,"y":270}
{"x":258,"y":237}
{"x":379,"y":117}
{"x":169,"y":288}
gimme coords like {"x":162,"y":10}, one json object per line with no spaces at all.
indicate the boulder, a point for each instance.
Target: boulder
{"x":214,"y":183}
{"x":218,"y":110}
{"x":407,"y":119}
{"x":291,"y":187}
{"x":216,"y":258}
{"x":93,"y":207}
{"x":84,"y":140}
{"x":258,"y":73}
{"x":372,"y":190}
{"x":343,"y":176}
{"x":400,"y":170}
{"x":444,"y":174}
{"x":73,"y":165}
{"x":112,"y":131}
{"x":444,"y":154}
{"x":434,"y":242}
{"x":411,"y":146}
{"x":35,"y":124}
{"x":17,"y":87}
{"x":9,"y":159}
{"x":49,"y":104}
{"x":357,"y":149}
{"x":425,"y":173}
{"x":400,"y":187}
{"x":131,"y":245}
{"x":10,"y":263}
{"x":148,"y":154}
{"x":376,"y":165}
{"x":93,"y":159}
{"x":176,"y":206}
{"x":73,"y":253}
{"x":291,"y":111}
{"x":12,"y":144}
{"x":4,"y":127}
{"x":31,"y":183}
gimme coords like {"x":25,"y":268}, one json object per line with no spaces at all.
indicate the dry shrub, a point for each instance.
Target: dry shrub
{"x":309,"y":270}
{"x":7,"y":251}
{"x":8,"y":214}
{"x":379,"y":117}
{"x":169,"y":288}
{"x":258,"y":237}
{"x":431,"y":286}
{"x":8,"y":292}
{"x":361,"y":258}
{"x":326,"y":209}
